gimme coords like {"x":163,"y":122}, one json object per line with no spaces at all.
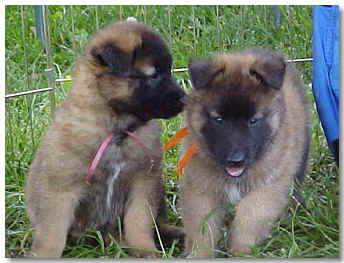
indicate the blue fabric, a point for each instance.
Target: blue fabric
{"x":326,"y":69}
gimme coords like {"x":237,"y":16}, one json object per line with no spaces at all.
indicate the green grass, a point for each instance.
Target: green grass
{"x":310,"y":232}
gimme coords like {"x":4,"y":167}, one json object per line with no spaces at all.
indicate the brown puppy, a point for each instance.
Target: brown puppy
{"x":121,"y":83}
{"x":247,"y":114}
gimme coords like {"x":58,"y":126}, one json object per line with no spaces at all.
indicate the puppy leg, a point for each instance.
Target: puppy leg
{"x":202,"y":221}
{"x":169,"y":233}
{"x":54,"y":219}
{"x":138,"y":221}
{"x":255,"y":215}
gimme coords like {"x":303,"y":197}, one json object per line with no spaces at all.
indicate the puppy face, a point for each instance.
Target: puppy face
{"x":133,"y":69}
{"x":236,"y":107}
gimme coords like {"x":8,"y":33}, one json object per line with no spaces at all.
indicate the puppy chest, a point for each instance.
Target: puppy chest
{"x":113,"y":185}
{"x":232,"y":193}
{"x":110,"y":184}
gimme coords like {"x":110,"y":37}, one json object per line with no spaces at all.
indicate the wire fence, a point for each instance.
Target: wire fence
{"x":70,"y":79}
{"x":42,"y":28}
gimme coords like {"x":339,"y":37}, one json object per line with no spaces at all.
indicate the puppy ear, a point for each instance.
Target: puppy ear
{"x":270,"y":68}
{"x":118,"y":61}
{"x":202,"y":73}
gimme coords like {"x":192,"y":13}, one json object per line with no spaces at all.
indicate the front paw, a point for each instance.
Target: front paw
{"x":138,"y":253}
{"x":200,"y":254}
{"x":30,"y":254}
{"x":192,"y":250}
{"x":240,"y":245}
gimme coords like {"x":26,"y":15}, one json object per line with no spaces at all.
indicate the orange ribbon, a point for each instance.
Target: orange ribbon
{"x":176,"y":138}
{"x":187,"y":156}
{"x":189,"y":153}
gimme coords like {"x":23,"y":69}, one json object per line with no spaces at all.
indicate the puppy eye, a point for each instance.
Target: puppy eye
{"x":256,"y":75}
{"x":218,"y":120}
{"x":254,"y":120}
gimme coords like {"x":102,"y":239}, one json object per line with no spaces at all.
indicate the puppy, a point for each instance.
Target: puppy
{"x":121,"y":83}
{"x":247,"y":115}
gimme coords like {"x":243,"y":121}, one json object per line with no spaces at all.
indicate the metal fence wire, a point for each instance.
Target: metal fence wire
{"x":42,"y":28}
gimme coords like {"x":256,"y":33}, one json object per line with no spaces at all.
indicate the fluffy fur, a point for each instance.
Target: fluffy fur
{"x":248,"y":116}
{"x":121,"y":83}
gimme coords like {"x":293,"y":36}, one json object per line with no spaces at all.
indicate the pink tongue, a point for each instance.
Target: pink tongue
{"x":235,"y":171}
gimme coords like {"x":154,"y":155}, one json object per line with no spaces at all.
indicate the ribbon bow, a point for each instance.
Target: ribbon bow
{"x":189,"y":152}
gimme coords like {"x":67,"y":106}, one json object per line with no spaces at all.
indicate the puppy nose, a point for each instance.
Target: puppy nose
{"x":236,"y":159}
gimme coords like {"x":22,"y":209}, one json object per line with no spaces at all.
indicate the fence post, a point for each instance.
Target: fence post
{"x":276,"y":12}
{"x":169,"y":10}
{"x":9,"y":115}
{"x":219,"y":32}
{"x":27,"y":77}
{"x":73,"y":30}
{"x":40,"y":24}
{"x":194,"y":30}
{"x":49,"y":70}
{"x":145,"y":14}
{"x":97,"y":18}
{"x":120,"y":12}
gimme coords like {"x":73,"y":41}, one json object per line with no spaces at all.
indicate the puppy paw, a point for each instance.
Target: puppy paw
{"x":238,"y":246}
{"x":146,"y":254}
{"x":30,"y":254}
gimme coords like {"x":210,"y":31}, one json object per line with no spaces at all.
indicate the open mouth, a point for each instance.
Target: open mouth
{"x":235,"y":171}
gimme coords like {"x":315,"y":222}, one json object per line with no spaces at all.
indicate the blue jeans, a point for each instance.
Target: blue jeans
{"x":326,"y":71}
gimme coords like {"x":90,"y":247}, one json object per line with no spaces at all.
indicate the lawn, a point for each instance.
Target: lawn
{"x":310,"y":232}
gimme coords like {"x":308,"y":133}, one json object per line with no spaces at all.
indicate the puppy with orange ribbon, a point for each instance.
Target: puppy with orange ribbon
{"x":246,"y":142}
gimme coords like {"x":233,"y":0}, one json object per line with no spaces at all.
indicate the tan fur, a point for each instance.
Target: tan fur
{"x":56,"y":183}
{"x":260,"y":195}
